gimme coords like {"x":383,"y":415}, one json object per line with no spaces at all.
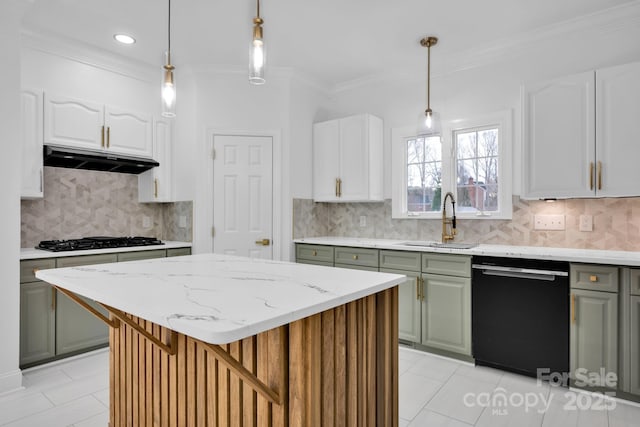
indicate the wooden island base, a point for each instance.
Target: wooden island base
{"x":335,"y":368}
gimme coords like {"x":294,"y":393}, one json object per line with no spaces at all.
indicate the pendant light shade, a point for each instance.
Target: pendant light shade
{"x":429,"y":121}
{"x":257,"y":51}
{"x":168,"y":92}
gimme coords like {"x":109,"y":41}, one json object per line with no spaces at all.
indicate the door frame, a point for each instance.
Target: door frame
{"x":277,"y":188}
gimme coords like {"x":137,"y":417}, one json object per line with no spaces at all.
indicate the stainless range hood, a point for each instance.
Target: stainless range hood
{"x":73,"y":158}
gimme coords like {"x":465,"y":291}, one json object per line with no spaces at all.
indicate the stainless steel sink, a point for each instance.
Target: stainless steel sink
{"x":448,"y":245}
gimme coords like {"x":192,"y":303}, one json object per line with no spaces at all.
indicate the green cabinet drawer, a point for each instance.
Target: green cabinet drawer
{"x":29,"y":267}
{"x":357,"y":267}
{"x":635,"y":281}
{"x":76,"y":261}
{"x":314,"y":252}
{"x":140,"y":255}
{"x":178,"y":251}
{"x":449,"y":265}
{"x":308,"y":261}
{"x":400,"y":260}
{"x":356,"y":256}
{"x":594,"y":277}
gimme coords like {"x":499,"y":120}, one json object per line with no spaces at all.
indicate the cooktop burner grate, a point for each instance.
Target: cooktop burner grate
{"x":97,"y":242}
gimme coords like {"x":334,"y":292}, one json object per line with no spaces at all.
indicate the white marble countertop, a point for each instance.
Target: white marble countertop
{"x":219,"y":298}
{"x":592,"y":256}
{"x":33,"y":253}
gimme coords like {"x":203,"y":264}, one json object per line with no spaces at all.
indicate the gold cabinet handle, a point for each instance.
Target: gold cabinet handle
{"x":34,"y":271}
{"x":155,"y":189}
{"x":355,"y":257}
{"x":418,"y":288}
{"x":599,"y":175}
{"x":263,"y":242}
{"x":591,"y":176}
{"x":593,"y":278}
{"x":108,"y":136}
{"x":573,"y":308}
{"x":314,"y":253}
{"x":337,"y":187}
{"x":102,"y":138}
{"x":421,"y":289}
{"x":54,"y":301}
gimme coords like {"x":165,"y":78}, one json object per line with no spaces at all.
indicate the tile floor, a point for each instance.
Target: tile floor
{"x":432,"y":393}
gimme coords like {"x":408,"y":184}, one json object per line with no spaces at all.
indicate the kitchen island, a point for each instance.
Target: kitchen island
{"x":212,"y":340}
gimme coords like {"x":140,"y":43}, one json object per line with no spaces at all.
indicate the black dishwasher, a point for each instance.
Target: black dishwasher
{"x":520,"y":314}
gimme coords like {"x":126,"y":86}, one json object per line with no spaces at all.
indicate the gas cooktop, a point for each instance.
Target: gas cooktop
{"x":98,"y":242}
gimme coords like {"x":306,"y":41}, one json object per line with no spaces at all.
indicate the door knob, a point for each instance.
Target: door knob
{"x":263,"y":242}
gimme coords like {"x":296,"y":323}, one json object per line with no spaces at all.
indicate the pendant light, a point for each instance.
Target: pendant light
{"x":429,"y":122}
{"x":168,"y":83}
{"x":256,"y":51}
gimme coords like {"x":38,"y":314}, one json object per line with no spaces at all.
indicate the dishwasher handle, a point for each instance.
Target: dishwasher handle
{"x":519,"y":273}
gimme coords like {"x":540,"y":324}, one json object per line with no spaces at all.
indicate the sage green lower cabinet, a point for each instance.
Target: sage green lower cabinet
{"x":594,"y":332}
{"x":357,"y":267}
{"x":307,"y":261}
{"x":141,"y":255}
{"x":635,"y":344}
{"x":446,"y":313}
{"x":409,"y":305}
{"x":178,"y":252}
{"x":76,"y":328}
{"x":37,"y":322}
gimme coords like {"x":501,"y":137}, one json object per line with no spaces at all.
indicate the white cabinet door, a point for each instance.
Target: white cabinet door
{"x":347,"y":159}
{"x":154,"y":185}
{"x":128,"y":132}
{"x":31,"y":140}
{"x":617,"y":138}
{"x":326,"y":163}
{"x":72,"y":122}
{"x":559,"y":138}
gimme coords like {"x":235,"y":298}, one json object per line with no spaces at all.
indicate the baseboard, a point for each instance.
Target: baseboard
{"x":10,"y":381}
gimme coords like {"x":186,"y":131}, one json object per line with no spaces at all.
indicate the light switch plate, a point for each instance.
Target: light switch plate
{"x":146,"y":222}
{"x":548,"y":222}
{"x":182,"y":221}
{"x":363,"y":221}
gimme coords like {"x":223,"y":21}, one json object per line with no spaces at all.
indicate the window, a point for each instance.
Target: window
{"x":471,"y":159}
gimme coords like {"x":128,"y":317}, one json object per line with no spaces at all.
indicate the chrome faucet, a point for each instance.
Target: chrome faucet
{"x":445,"y":221}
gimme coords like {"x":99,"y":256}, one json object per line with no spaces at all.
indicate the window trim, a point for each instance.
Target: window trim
{"x":501,"y":119}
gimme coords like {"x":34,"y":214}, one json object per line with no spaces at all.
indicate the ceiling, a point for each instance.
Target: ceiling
{"x":330,"y":41}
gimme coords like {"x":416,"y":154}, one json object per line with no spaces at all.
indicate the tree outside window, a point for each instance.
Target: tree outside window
{"x":424,"y":174}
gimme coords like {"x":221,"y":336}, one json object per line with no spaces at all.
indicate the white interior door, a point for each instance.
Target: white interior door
{"x":243,"y":195}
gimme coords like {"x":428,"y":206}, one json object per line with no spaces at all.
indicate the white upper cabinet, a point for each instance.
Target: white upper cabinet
{"x":31,"y":142}
{"x":84,"y":124}
{"x":617,"y":137}
{"x":154,"y":185}
{"x":347,"y":159}
{"x":559,"y":137}
{"x":579,"y":138}
{"x":72,"y":122}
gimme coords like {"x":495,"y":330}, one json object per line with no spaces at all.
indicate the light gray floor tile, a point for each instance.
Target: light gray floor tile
{"x":403,"y":423}
{"x":431,"y":419}
{"x":415,"y":391}
{"x":45,"y":380}
{"x":63,"y":415}
{"x":624,"y":415}
{"x":100,"y":420}
{"x":480,"y":373}
{"x":22,"y":406}
{"x":458,"y":398}
{"x":90,"y":366}
{"x":564,"y":413}
{"x":435,"y":368}
{"x":78,"y":388}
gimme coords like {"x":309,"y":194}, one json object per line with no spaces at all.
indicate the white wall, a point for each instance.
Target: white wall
{"x":464,"y":84}
{"x":10,"y":17}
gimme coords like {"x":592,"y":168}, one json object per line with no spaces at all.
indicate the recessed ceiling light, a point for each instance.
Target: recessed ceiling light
{"x":124,"y":39}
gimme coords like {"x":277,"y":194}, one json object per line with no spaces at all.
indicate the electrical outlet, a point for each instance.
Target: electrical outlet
{"x":146,"y":222}
{"x":182,"y":221}
{"x":548,"y":222}
{"x":363,"y":221}
{"x":586,"y":222}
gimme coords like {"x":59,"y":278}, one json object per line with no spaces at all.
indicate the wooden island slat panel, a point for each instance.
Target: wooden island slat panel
{"x":335,"y":368}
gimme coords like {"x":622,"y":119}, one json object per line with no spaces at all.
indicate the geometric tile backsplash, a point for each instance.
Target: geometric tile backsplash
{"x":616,"y":223}
{"x":82,"y":203}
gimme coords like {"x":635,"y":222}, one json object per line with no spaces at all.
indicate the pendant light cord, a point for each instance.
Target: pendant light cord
{"x":169,"y":30}
{"x":428,"y":77}
{"x":258,"y":8}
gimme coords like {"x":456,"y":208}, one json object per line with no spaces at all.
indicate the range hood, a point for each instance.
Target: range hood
{"x":74,"y":158}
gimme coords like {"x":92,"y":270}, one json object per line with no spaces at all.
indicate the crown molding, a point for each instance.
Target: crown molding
{"x":74,"y":50}
{"x":615,"y":19}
